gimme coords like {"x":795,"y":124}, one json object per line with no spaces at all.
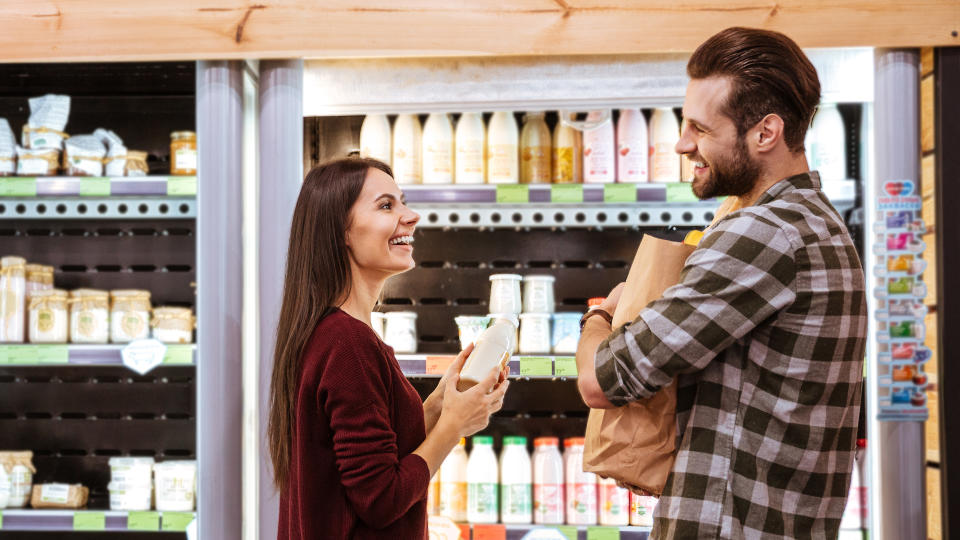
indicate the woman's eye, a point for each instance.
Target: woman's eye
{"x":386,"y":206}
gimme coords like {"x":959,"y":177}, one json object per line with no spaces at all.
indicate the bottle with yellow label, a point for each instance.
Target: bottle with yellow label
{"x":534,"y":150}
{"x":453,"y":483}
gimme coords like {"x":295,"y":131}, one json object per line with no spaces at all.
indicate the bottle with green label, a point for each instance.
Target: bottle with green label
{"x":482,"y":475}
{"x":516,"y":482}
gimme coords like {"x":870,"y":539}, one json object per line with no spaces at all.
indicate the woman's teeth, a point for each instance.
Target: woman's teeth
{"x":699,"y":164}
{"x":401,"y":240}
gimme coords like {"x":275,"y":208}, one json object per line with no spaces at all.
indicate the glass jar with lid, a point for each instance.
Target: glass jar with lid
{"x":48,"y":316}
{"x":172,"y":324}
{"x":12,"y":299}
{"x":89,"y":316}
{"x":183,"y":153}
{"x":129,"y":315}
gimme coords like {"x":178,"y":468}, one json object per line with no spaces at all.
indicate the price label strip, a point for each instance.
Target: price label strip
{"x":680,"y":192}
{"x":437,"y":365}
{"x":565,"y":366}
{"x":536,"y":366}
{"x":18,"y":187}
{"x":566,"y":193}
{"x":176,"y":521}
{"x":143,"y":521}
{"x":513,"y":194}
{"x":619,"y":193}
{"x":89,"y":521}
{"x":181,"y":186}
{"x":94,"y":186}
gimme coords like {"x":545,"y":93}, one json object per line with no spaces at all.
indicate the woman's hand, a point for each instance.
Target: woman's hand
{"x":469,"y":411}
{"x":433,"y":405}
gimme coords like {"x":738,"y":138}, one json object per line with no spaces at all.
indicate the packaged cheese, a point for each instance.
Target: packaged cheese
{"x":136,"y":163}
{"x":59,"y":496}
{"x":40,"y":162}
{"x":8,"y":149}
{"x":116,"y":161}
{"x":48,"y":118}
{"x":83,"y":156}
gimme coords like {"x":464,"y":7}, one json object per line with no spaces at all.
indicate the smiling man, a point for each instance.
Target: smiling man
{"x":765,"y":333}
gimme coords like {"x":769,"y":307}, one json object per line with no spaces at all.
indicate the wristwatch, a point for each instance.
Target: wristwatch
{"x":598,"y":312}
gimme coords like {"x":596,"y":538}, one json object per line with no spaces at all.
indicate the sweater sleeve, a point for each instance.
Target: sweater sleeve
{"x":354,"y":391}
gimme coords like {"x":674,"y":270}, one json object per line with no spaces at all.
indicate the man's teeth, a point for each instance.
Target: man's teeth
{"x":400,"y":240}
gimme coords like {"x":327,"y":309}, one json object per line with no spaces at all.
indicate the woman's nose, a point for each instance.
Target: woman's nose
{"x":411,"y":217}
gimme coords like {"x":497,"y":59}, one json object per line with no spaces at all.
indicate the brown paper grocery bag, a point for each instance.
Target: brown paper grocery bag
{"x":636,"y":444}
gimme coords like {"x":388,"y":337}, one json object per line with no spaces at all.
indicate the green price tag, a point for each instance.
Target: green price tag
{"x":619,"y":193}
{"x":1,"y":519}
{"x":569,"y":532}
{"x":143,"y":521}
{"x":18,"y":187}
{"x":531,"y":366}
{"x":95,"y":186}
{"x":89,"y":521}
{"x":603,"y":533}
{"x":566,"y":193}
{"x":52,"y":354}
{"x":21,"y":354}
{"x":176,"y":521}
{"x":181,"y":185}
{"x":680,"y":192}
{"x":565,"y":366}
{"x":178,"y":354}
{"x":513,"y":193}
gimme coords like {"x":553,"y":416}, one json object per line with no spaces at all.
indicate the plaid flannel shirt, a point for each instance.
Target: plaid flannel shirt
{"x":766,"y":333}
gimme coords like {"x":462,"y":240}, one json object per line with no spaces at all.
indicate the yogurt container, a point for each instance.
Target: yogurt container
{"x":400,"y":331}
{"x":538,"y":294}
{"x":505,"y":293}
{"x":469,"y":328}
{"x":534,"y":333}
{"x":176,"y":484}
{"x":566,"y":332}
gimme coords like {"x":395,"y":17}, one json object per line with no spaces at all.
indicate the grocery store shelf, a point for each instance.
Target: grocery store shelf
{"x":69,"y":197}
{"x":93,"y":520}
{"x":423,"y":365}
{"x":90,"y":355}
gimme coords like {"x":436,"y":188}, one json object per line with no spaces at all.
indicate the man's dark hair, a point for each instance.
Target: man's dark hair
{"x":769,"y":74}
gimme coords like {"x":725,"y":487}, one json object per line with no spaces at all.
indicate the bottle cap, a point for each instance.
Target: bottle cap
{"x":573,"y":441}
{"x":515,"y":441}
{"x":546,"y":441}
{"x":482,"y":440}
{"x":595,"y":302}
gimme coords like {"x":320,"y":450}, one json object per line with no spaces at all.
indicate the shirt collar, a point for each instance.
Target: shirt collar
{"x":807,"y":180}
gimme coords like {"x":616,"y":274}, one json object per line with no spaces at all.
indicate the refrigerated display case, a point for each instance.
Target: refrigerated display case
{"x":468,"y":232}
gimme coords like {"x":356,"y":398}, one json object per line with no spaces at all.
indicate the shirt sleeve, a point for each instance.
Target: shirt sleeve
{"x":380,"y":485}
{"x":741,"y":274}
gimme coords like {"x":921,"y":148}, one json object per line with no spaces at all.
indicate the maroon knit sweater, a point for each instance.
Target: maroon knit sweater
{"x":352,"y":473}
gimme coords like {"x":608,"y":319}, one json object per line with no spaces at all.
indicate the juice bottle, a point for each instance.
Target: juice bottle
{"x":453,"y":483}
{"x":567,"y":163}
{"x":482,"y":475}
{"x":535,"y":150}
{"x":407,"y":137}
{"x":433,"y":495}
{"x":599,"y":165}
{"x":641,"y":510}
{"x":581,"y":485}
{"x":470,"y":143}
{"x":516,"y":475}
{"x":632,"y":147}
{"x":614,"y":503}
{"x":438,"y":149}
{"x":664,"y":135}
{"x":547,"y":482}
{"x":503,"y":138}
{"x":375,"y":138}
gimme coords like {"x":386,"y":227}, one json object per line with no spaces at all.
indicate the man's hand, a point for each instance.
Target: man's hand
{"x":610,"y":304}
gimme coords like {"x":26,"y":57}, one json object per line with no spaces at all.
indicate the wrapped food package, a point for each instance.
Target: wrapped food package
{"x":115,"y":163}
{"x":137,"y":163}
{"x":48,"y":118}
{"x":37,"y":162}
{"x":83,"y":156}
{"x":59,"y":496}
{"x":8,"y":149}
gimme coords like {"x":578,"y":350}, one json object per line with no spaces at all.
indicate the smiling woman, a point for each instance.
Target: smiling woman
{"x":353,"y":447}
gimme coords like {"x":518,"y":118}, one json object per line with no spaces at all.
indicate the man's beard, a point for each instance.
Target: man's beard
{"x":728,"y":176}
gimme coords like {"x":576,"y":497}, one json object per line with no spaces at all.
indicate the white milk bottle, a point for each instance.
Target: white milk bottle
{"x":471,"y":137}
{"x":581,"y":485}
{"x":453,"y":483}
{"x":482,"y":475}
{"x":547,"y":482}
{"x":664,"y":135}
{"x":599,"y":165}
{"x":567,"y":160}
{"x":614,"y":503}
{"x":632,"y":146}
{"x":516,"y":477}
{"x":535,"y":149}
{"x":641,"y":510}
{"x":492,"y":352}
{"x":826,"y":144}
{"x":407,"y":137}
{"x":503,"y":141}
{"x":375,"y":138}
{"x":438,"y":149}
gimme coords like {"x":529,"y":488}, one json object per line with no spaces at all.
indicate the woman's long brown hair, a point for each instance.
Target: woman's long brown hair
{"x":317,"y":279}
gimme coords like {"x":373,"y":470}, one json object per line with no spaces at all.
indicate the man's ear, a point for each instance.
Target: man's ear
{"x":768,"y":133}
